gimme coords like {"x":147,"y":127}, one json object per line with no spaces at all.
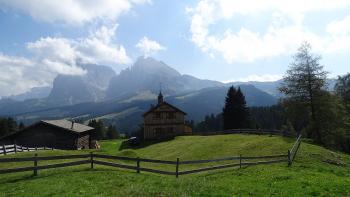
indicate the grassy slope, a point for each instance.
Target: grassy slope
{"x":312,"y":173}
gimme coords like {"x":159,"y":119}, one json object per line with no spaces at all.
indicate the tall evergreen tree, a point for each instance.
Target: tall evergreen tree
{"x":228,"y":112}
{"x":235,"y":112}
{"x":112,"y":132}
{"x":342,"y":88}
{"x":100,"y":130}
{"x":304,"y":82}
{"x":242,"y":110}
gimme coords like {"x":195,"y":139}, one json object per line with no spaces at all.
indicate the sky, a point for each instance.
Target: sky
{"x":223,"y":40}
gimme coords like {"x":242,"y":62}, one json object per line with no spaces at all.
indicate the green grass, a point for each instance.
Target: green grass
{"x":315,"y":172}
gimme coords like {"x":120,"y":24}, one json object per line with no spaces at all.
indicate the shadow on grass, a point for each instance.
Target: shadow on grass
{"x":125,"y":144}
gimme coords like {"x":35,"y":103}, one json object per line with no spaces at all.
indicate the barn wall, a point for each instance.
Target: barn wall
{"x":83,"y":141}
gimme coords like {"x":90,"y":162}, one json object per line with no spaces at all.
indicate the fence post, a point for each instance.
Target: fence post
{"x":21,"y":148}
{"x":27,"y":148}
{"x":240,"y":160}
{"x":52,"y":148}
{"x":92,"y":160}
{"x":177,"y":167}
{"x":15,"y":146}
{"x":4,"y":149}
{"x":138,"y":164}
{"x":35,"y":164}
{"x":44,"y":147}
{"x":36,"y":148}
{"x":289,"y":159}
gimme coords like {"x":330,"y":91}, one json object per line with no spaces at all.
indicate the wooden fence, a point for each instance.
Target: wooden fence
{"x":97,"y":159}
{"x":14,"y":148}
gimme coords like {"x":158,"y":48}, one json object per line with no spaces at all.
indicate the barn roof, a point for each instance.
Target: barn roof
{"x":65,"y":124}
{"x":163,"y":103}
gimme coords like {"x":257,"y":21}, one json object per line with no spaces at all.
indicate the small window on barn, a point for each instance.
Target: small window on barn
{"x":156,"y":115}
{"x":171,"y":115}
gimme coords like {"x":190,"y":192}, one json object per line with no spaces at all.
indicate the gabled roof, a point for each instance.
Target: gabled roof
{"x":65,"y":124}
{"x":164,"y":103}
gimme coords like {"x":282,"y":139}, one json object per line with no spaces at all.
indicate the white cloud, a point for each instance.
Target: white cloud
{"x":18,"y":74}
{"x":73,"y":11}
{"x":58,"y":55}
{"x":255,"y":77}
{"x":282,"y":36}
{"x":98,"y":48}
{"x":149,"y":47}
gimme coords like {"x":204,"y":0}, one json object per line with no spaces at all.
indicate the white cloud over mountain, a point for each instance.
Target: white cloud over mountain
{"x":73,"y":11}
{"x":59,"y":55}
{"x":149,"y":47}
{"x":284,"y":33}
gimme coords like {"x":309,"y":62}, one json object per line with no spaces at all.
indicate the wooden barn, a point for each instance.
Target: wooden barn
{"x":164,"y":121}
{"x":59,"y":134}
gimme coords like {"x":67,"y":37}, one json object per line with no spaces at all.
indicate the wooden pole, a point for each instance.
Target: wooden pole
{"x":4,"y":149}
{"x":15,"y":146}
{"x":240,"y":160}
{"x":35,"y":164}
{"x":138,"y":164}
{"x":36,"y":148}
{"x":27,"y":148}
{"x":177,"y":167}
{"x":92,"y":160}
{"x":289,"y":159}
{"x":21,"y":148}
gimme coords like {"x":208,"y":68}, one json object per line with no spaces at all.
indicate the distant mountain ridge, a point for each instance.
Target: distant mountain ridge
{"x":121,"y":99}
{"x":150,"y":74}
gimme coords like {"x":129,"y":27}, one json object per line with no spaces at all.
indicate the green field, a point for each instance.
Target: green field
{"x":316,"y":171}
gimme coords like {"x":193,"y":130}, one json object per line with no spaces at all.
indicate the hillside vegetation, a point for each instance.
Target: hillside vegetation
{"x":316,"y":171}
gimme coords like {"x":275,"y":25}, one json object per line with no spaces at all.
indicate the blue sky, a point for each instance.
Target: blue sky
{"x":224,"y":40}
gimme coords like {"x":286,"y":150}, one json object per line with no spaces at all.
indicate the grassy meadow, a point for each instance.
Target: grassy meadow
{"x":316,"y":171}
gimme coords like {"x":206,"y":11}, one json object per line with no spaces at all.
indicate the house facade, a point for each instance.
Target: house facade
{"x":59,"y":134}
{"x":164,"y":121}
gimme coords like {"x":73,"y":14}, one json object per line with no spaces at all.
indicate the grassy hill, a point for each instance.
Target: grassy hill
{"x":315,"y":172}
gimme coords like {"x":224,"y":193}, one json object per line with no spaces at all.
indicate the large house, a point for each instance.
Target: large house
{"x":164,"y":121}
{"x":59,"y":134}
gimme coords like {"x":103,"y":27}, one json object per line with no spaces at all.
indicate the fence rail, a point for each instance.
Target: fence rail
{"x":95,"y":159}
{"x":14,"y":148}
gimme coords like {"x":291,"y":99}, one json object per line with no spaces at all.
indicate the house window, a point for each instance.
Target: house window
{"x":170,"y":115}
{"x":156,"y":115}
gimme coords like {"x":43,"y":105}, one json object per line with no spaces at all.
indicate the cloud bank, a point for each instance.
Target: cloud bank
{"x":73,"y":12}
{"x":284,"y":33}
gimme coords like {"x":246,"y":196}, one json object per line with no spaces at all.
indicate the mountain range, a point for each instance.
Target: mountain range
{"x":121,"y":99}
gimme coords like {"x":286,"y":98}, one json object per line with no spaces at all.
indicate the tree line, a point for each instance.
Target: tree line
{"x":307,"y":106}
{"x":103,"y":132}
{"x":9,"y":125}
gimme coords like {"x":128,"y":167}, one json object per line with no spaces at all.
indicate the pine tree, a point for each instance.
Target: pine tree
{"x":112,"y":132}
{"x":304,"y":82}
{"x":100,"y":131}
{"x":229,"y":114}
{"x":242,"y":110}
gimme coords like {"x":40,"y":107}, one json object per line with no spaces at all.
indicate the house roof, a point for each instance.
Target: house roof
{"x":65,"y":124}
{"x":164,"y":103}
